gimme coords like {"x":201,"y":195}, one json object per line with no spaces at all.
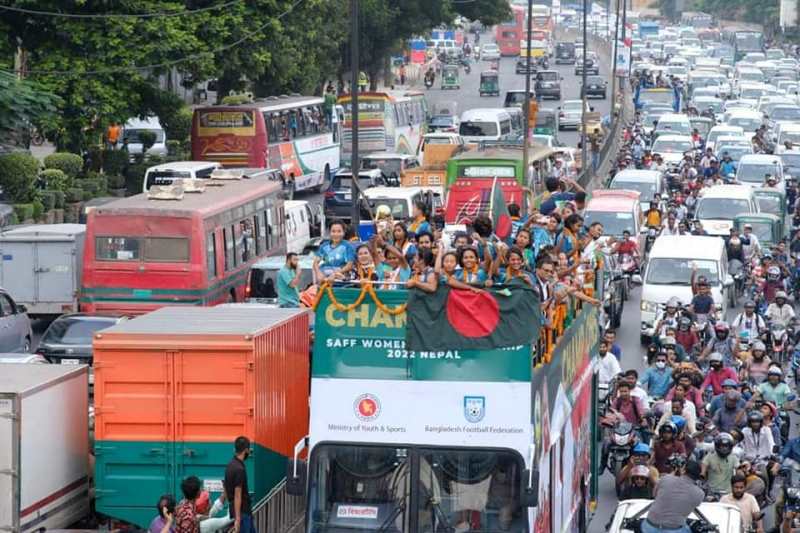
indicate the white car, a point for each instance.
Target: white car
{"x":571,"y":114}
{"x":672,"y":147}
{"x":727,"y":518}
{"x":490,"y":52}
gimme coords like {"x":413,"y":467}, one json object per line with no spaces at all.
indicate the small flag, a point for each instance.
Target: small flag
{"x":501,"y":220}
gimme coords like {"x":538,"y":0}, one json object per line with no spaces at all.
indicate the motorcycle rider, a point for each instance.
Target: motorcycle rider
{"x":717,"y":374}
{"x":723,"y":344}
{"x":749,"y":321}
{"x":774,"y":390}
{"x":682,"y":414}
{"x":653,"y":216}
{"x":658,"y":377}
{"x":430,"y":77}
{"x":748,"y":506}
{"x":685,"y":390}
{"x":669,"y":318}
{"x":757,"y":444}
{"x":686,"y":336}
{"x":780,"y":311}
{"x":676,"y":496}
{"x":756,"y":368}
{"x":731,"y":415}
{"x":727,"y":167}
{"x":675,"y":351}
{"x":608,"y":366}
{"x":628,"y":407}
{"x":640,"y":485}
{"x":774,"y":283}
{"x":641,"y":455}
{"x":720,"y":465}
{"x":665,"y":446}
{"x":718,"y":401}
{"x":754,"y":246}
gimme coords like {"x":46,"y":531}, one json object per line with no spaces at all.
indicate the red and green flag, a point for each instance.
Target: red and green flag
{"x":501,"y":220}
{"x":453,"y":319}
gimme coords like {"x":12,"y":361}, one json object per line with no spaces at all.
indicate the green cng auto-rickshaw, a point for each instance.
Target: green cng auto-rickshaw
{"x":450,"y":77}
{"x":767,"y":227}
{"x":490,"y":83}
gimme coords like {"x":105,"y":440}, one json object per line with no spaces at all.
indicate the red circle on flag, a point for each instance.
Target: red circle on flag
{"x":503,"y":226}
{"x":367,"y":407}
{"x":471,"y":314}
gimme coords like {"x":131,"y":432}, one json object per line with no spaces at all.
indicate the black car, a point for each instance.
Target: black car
{"x":338,"y":202}
{"x":68,"y":339}
{"x":595,"y":86}
{"x":522,"y":66}
{"x":565,"y":53}
{"x":548,"y":84}
{"x":592,"y":65}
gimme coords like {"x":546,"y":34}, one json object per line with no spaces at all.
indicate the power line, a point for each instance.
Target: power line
{"x":116,"y":15}
{"x":171,"y":63}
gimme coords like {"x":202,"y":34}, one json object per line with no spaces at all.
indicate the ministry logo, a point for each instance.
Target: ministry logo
{"x":474,"y":408}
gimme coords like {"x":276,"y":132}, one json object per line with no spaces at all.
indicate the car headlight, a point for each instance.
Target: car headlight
{"x":649,"y":307}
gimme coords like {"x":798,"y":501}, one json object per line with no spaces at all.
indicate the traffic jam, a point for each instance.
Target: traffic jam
{"x":490,"y":324}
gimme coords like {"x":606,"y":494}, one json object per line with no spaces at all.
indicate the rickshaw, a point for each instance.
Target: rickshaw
{"x":767,"y":227}
{"x":771,"y":201}
{"x":450,"y":77}
{"x":490,"y":83}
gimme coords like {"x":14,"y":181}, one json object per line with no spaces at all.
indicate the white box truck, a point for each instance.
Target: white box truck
{"x":44,"y":446}
{"x":41,"y":266}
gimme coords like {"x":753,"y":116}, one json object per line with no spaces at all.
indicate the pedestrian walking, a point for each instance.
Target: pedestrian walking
{"x":594,"y":139}
{"x":186,"y":517}
{"x":236,"y":488}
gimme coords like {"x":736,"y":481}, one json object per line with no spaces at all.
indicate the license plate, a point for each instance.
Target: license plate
{"x":594,"y":87}
{"x":70,"y":361}
{"x":347,"y":196}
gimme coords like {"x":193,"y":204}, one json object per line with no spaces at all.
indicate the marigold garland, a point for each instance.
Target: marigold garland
{"x":366,"y":288}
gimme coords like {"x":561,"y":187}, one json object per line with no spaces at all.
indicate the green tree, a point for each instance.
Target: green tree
{"x":22,"y":104}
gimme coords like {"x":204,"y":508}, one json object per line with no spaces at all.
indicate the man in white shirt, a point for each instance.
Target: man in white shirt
{"x":607,"y":365}
{"x":754,"y":246}
{"x":747,"y":504}
{"x":707,"y":159}
{"x":670,"y":226}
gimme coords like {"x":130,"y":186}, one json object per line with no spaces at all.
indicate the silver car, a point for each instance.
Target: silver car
{"x":15,"y":326}
{"x":490,"y":52}
{"x":570,"y":114}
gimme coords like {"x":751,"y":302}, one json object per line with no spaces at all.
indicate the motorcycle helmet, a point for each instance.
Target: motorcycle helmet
{"x":721,"y":330}
{"x":641,"y":449}
{"x":775,"y":371}
{"x":668,"y":426}
{"x":684,"y":324}
{"x":676,"y":460}
{"x":781,"y":295}
{"x":640,"y":471}
{"x":759,"y":346}
{"x":679,"y":421}
{"x":723,"y":444}
{"x":749,"y":304}
{"x":715,"y":357}
{"x":755,"y":416}
{"x":673,"y":303}
{"x":773,"y":273}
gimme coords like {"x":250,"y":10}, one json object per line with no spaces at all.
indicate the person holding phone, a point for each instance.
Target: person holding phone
{"x":164,"y":522}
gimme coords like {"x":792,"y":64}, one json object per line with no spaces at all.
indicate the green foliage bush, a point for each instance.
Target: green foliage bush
{"x":115,"y":161}
{"x":178,"y":125}
{"x":56,"y":179}
{"x":23,"y":211}
{"x":69,"y":164}
{"x":60,"y":199}
{"x":74,"y":194}
{"x":48,"y":199}
{"x":38,"y":209}
{"x":116,"y":181}
{"x":134,"y":177}
{"x":18,"y":172}
{"x":148,"y":139}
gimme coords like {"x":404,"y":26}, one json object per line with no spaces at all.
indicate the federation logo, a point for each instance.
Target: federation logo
{"x":367,"y":407}
{"x":474,"y":408}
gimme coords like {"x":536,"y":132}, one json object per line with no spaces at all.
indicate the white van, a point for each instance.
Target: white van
{"x":723,"y":130}
{"x":304,"y":222}
{"x":718,"y":205}
{"x":166,"y":173}
{"x":400,"y":200}
{"x":674,"y":123}
{"x":485,"y":125}
{"x":669,"y":273}
{"x":134,"y":127}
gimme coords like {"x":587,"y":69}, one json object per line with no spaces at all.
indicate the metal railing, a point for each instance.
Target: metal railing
{"x":279,"y":512}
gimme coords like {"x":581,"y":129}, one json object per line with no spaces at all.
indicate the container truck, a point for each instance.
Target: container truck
{"x":407,"y":440}
{"x":42,"y":263}
{"x":175,"y":387}
{"x":44,"y":446}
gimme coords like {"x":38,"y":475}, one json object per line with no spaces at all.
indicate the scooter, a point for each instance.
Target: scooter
{"x":623,"y":438}
{"x":777,"y":342}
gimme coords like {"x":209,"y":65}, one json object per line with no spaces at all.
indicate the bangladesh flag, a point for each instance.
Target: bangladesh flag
{"x":454,"y":319}
{"x":501,"y":220}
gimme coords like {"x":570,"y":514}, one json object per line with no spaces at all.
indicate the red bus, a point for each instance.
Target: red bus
{"x":288,"y":133}
{"x":142,"y":253}
{"x":508,"y":34}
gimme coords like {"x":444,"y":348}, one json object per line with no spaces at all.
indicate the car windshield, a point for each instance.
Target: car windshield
{"x":736,"y":151}
{"x":755,"y":173}
{"x":785,"y":113}
{"x":673,"y":271}
{"x":714,"y":135}
{"x":369,"y":488}
{"x":263,"y":281}
{"x":547,"y":76}
{"x":516,"y":98}
{"x":672,"y":146}
{"x":677,"y":127}
{"x":746,"y":123}
{"x":721,"y":208}
{"x":716,"y":105}
{"x":594,"y":80}
{"x":438,"y":140}
{"x":442,"y":120}
{"x":478,"y":129}
{"x":398,"y":206}
{"x":572,"y":107}
{"x":791,"y":136}
{"x":751,"y":93}
{"x":769,"y":204}
{"x":134,"y":136}
{"x":542,"y":139}
{"x":387,"y":166}
{"x":74,"y":331}
{"x":646,"y":188}
{"x":614,"y":223}
{"x":762,"y":230}
{"x":344,"y":183}
{"x":791,"y":163}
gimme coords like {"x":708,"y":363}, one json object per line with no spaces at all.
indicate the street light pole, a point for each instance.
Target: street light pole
{"x":584,"y":154}
{"x":354,"y":114}
{"x":527,"y":109}
{"x":614,"y":68}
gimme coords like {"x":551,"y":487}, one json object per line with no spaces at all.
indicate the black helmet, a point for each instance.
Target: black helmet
{"x":684,"y":323}
{"x":755,"y":416}
{"x":668,"y":426}
{"x":723,"y":444}
{"x":676,"y":460}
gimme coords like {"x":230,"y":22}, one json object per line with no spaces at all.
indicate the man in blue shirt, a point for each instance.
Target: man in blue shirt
{"x":610,"y":336}
{"x":288,"y":280}
{"x":558,"y":196}
{"x":728,"y":167}
{"x":657,"y":378}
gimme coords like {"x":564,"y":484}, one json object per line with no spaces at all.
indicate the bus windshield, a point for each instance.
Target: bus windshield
{"x":368,"y":488}
{"x":749,"y":40}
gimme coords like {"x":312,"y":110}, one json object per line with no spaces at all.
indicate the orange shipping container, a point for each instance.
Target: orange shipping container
{"x":195,"y":374}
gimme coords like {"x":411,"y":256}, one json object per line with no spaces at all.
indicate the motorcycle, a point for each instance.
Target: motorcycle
{"x":623,"y":438}
{"x":651,"y":238}
{"x":629,"y":268}
{"x":790,"y":474}
{"x":776,"y":342}
{"x":428,"y":82}
{"x":465,"y":62}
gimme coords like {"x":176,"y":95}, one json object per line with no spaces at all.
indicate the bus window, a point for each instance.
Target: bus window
{"x":255,"y":234}
{"x":227,"y":237}
{"x":166,"y":249}
{"x":281,"y":224}
{"x":269,"y":227}
{"x":117,"y":249}
{"x":211,"y":255}
{"x":262,"y":232}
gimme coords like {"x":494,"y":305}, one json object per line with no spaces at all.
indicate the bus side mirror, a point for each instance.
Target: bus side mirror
{"x":296,"y":476}
{"x":529,"y":491}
